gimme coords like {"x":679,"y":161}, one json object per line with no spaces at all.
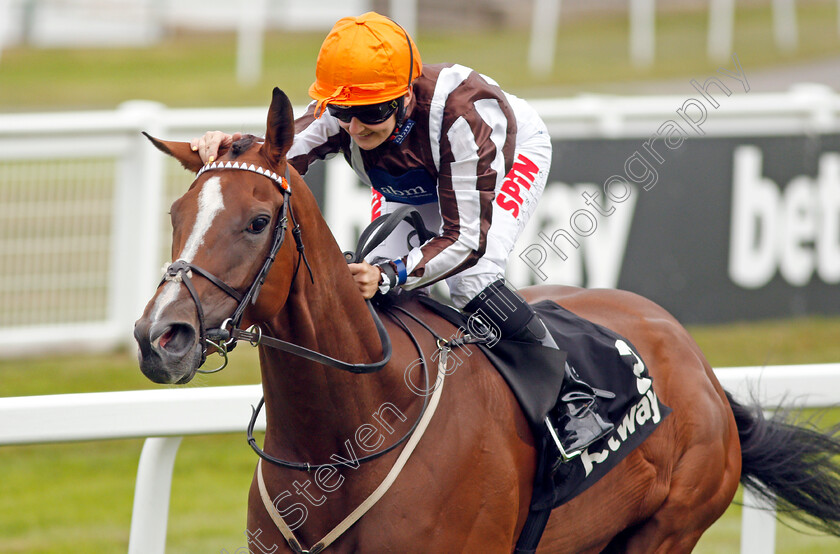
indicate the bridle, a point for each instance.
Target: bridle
{"x":182,"y":271}
{"x":224,"y":338}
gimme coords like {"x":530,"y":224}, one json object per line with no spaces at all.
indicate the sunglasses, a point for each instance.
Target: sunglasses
{"x":368,"y":115}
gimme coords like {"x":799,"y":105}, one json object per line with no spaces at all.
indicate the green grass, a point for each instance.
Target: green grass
{"x":77,"y":497}
{"x":108,"y":372}
{"x":797,"y":341}
{"x":199,"y":70}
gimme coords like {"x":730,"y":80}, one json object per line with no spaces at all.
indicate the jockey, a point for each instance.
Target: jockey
{"x":471,"y":158}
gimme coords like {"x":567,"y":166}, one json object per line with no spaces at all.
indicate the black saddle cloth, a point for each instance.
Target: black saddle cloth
{"x":603,"y":359}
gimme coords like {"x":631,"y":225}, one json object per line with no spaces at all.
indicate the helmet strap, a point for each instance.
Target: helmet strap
{"x":401,"y":112}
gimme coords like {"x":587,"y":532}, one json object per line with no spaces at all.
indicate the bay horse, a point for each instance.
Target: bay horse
{"x":468,"y":483}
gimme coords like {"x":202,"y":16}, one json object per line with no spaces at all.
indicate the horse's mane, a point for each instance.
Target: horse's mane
{"x":243,"y":145}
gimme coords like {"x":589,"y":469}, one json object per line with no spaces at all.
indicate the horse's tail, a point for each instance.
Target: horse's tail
{"x":791,"y":463}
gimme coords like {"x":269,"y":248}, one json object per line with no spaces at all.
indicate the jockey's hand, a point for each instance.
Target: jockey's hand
{"x":208,"y":145}
{"x":367,"y":278}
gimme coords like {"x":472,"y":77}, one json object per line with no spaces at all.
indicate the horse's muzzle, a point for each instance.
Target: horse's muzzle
{"x":169,"y":350}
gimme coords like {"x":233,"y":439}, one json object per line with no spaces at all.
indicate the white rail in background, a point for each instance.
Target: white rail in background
{"x":81,"y":285}
{"x":166,"y":415}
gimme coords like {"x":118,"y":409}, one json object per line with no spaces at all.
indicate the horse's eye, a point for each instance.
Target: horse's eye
{"x":258,"y":225}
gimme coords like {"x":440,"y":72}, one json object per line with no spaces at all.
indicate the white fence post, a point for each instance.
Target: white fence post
{"x":642,"y":32}
{"x":342,"y":182}
{"x":150,"y":514}
{"x":136,"y":238}
{"x":544,"y":22}
{"x":785,"y":28}
{"x":721,"y":23}
{"x":404,"y":12}
{"x":758,"y":525}
{"x":250,"y":39}
{"x":5,"y":21}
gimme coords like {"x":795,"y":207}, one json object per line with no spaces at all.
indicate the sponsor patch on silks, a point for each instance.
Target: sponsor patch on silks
{"x":518,"y":180}
{"x":415,"y":186}
{"x":406,"y":128}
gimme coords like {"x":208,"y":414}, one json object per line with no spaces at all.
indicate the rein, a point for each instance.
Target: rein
{"x":182,"y":270}
{"x":225,"y":337}
{"x":306,"y":466}
{"x":375,"y":496}
{"x":368,"y":239}
{"x":256,"y":338}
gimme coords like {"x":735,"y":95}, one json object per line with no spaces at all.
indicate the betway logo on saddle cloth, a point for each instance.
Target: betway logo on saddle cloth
{"x":608,"y":361}
{"x":646,"y":410}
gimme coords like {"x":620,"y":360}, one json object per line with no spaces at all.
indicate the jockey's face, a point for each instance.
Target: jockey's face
{"x":369,"y":136}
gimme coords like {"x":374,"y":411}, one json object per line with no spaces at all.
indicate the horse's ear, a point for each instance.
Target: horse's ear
{"x":280,"y":128}
{"x":181,"y":151}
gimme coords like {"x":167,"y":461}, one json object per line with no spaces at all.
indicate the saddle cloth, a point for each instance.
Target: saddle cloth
{"x":601,"y":358}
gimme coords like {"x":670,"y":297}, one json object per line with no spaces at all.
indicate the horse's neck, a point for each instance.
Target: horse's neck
{"x":313,"y":409}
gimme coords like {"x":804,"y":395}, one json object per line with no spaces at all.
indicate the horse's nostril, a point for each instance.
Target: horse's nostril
{"x":166,"y":337}
{"x":177,"y":339}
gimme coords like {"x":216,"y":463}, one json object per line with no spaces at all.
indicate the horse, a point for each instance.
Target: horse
{"x":467,"y":485}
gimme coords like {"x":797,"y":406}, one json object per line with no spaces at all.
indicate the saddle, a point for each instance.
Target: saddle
{"x":599,"y":356}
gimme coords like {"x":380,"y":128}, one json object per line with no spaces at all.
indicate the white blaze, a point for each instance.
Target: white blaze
{"x":210,"y":203}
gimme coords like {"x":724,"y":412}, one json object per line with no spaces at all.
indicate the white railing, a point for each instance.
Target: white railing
{"x":167,"y":415}
{"x":81,"y":279}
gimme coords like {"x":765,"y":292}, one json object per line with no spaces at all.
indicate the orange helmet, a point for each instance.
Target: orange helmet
{"x":364,"y":60}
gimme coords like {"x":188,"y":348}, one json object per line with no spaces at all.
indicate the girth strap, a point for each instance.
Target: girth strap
{"x":532,"y":531}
